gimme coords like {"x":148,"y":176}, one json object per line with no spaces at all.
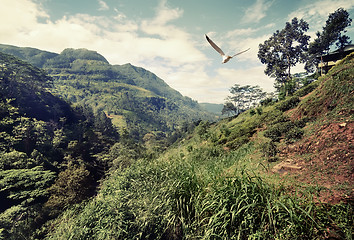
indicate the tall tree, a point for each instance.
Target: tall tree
{"x":331,"y":34}
{"x":229,"y":108}
{"x":243,"y":98}
{"x":284,"y":50}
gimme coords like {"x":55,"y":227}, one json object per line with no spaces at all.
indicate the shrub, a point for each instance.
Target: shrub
{"x":294,"y":134}
{"x":288,"y":103}
{"x":307,"y":89}
{"x":269,"y":149}
{"x":225,"y":130}
{"x":72,"y":186}
{"x":301,"y":123}
{"x":237,"y":142}
{"x":280,"y":119}
{"x":267,"y":102}
{"x":276,"y":131}
{"x":202,"y":129}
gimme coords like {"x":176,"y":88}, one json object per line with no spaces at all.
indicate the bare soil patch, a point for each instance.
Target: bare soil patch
{"x":324,"y":160}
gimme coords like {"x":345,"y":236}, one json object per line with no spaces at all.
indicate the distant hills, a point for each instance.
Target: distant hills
{"x":213,"y":107}
{"x":133,"y":97}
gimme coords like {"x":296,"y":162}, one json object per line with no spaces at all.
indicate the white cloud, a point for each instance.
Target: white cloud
{"x":155,"y":44}
{"x":164,"y":49}
{"x":257,"y":11}
{"x":231,"y":77}
{"x":242,"y":32}
{"x":316,"y":12}
{"x":16,"y":16}
{"x":103,"y":5}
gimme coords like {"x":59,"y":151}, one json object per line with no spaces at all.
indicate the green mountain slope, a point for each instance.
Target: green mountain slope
{"x":213,"y":107}
{"x":44,"y":145}
{"x":281,"y":172}
{"x":133,"y":97}
{"x":31,"y":55}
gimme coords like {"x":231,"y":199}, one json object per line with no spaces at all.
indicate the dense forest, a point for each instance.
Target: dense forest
{"x":44,"y":144}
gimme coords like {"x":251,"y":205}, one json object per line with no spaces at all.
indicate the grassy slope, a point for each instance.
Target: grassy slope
{"x":221,"y":182}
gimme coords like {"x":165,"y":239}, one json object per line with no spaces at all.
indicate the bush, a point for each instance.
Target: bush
{"x":73,"y":185}
{"x":267,"y":102}
{"x":202,"y":129}
{"x":301,"y":123}
{"x":288,"y":103}
{"x":280,"y":119}
{"x":269,"y":149}
{"x":276,"y":131}
{"x":238,"y":142}
{"x":225,"y":130}
{"x":307,"y":89}
{"x":294,"y":134}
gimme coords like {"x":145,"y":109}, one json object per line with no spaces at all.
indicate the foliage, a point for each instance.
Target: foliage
{"x":331,"y":34}
{"x":212,"y":184}
{"x":229,"y":108}
{"x":40,"y":135}
{"x":284,"y":50}
{"x":25,"y":185}
{"x":71,"y":186}
{"x":282,"y":127}
{"x":288,"y":103}
{"x":334,"y":93}
{"x":26,"y":84}
{"x":132,"y":97}
{"x":243,"y":98}
{"x":306,"y":89}
{"x":269,"y":149}
{"x":191,"y":197}
{"x":294,"y":134}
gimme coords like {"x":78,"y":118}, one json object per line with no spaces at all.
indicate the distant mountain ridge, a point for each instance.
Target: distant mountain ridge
{"x":135,"y":98}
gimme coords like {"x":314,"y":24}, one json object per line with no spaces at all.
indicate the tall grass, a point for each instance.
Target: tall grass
{"x":205,"y":194}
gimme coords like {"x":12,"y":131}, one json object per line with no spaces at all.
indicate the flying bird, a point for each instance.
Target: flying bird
{"x":225,"y":58}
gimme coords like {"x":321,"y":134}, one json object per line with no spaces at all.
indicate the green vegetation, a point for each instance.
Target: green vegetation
{"x":215,"y":185}
{"x":134,"y":98}
{"x":49,"y":151}
{"x":66,"y":172}
{"x":334,"y":96}
{"x":289,"y":46}
{"x":184,"y":197}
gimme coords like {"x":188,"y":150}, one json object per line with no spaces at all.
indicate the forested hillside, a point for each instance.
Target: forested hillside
{"x":134,"y":98}
{"x":44,"y":145}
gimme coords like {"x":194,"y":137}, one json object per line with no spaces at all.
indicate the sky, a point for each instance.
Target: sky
{"x":166,"y":37}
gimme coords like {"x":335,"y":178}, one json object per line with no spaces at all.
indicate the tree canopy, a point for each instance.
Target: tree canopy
{"x":284,"y":50}
{"x":332,"y":33}
{"x":242,"y":98}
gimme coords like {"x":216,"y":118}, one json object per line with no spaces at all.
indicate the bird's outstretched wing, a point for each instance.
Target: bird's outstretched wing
{"x":215,"y":46}
{"x":240,"y":52}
